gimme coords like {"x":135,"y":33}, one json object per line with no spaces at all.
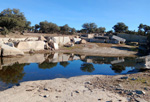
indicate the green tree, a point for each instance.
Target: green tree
{"x":120,"y":27}
{"x":5,"y":31}
{"x":89,"y":27}
{"x":100,"y":30}
{"x":36,"y":28}
{"x":73,"y":30}
{"x":12,"y":19}
{"x":48,"y":27}
{"x":65,"y":29}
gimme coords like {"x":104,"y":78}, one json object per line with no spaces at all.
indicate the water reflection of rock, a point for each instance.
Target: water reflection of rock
{"x":45,"y":59}
{"x":143,"y":62}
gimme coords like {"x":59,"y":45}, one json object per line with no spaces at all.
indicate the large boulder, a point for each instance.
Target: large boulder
{"x":10,"y":51}
{"x":34,"y":45}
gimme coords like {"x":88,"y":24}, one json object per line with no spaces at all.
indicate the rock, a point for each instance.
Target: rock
{"x":134,"y":79}
{"x":140,"y":100}
{"x":45,"y":96}
{"x":10,"y":40}
{"x":10,"y":44}
{"x":34,"y":45}
{"x":69,"y":45}
{"x":76,"y":40}
{"x":54,"y":45}
{"x":139,"y":92}
{"x":46,"y":46}
{"x":83,"y":41}
{"x":10,"y":51}
{"x":41,"y":38}
{"x":124,"y":78}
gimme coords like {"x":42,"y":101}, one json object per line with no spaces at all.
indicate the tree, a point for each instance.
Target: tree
{"x":89,"y":27}
{"x":5,"y":31}
{"x":73,"y":30}
{"x":48,"y":27}
{"x":120,"y":27}
{"x":12,"y":19}
{"x":65,"y":29}
{"x":143,"y":28}
{"x":100,"y":30}
{"x":36,"y":28}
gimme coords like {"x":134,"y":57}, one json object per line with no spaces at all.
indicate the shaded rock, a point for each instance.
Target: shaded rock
{"x":124,"y":78}
{"x":10,"y":44}
{"x":139,"y":92}
{"x":54,"y":45}
{"x":41,"y":38}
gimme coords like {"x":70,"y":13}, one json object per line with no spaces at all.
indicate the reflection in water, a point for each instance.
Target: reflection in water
{"x":117,"y":68}
{"x":49,"y":66}
{"x":64,"y":64}
{"x":12,"y":74}
{"x":87,"y":67}
{"x":46,"y":65}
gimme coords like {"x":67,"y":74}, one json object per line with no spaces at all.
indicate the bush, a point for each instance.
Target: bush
{"x":5,"y":31}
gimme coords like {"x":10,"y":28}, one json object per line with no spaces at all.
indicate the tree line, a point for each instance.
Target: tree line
{"x":12,"y":20}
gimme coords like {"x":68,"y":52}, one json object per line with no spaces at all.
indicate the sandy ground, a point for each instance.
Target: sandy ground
{"x":97,"y":88}
{"x":100,"y":49}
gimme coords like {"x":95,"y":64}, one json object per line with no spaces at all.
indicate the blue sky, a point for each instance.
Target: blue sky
{"x":105,"y":13}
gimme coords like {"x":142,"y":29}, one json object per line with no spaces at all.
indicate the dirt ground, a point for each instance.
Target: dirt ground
{"x":101,"y":49}
{"x":91,"y":88}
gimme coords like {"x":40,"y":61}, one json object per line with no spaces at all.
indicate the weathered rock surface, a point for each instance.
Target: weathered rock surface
{"x":54,"y":45}
{"x":76,"y":40}
{"x":41,"y":38}
{"x":10,"y":51}
{"x":34,"y":45}
{"x":83,"y":41}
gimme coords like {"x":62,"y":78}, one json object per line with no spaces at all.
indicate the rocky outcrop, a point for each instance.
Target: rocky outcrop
{"x":34,"y":45}
{"x":10,"y":51}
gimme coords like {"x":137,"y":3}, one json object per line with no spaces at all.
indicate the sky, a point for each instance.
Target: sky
{"x":105,"y":13}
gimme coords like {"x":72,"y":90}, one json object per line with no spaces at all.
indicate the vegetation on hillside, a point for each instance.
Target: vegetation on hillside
{"x":12,"y":20}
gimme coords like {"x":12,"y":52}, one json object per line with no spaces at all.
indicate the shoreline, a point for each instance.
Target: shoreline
{"x":95,"y":87}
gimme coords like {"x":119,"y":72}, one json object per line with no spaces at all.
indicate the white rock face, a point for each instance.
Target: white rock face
{"x":56,"y":47}
{"x":34,"y":45}
{"x":61,"y":40}
{"x":77,"y":40}
{"x":10,"y":51}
